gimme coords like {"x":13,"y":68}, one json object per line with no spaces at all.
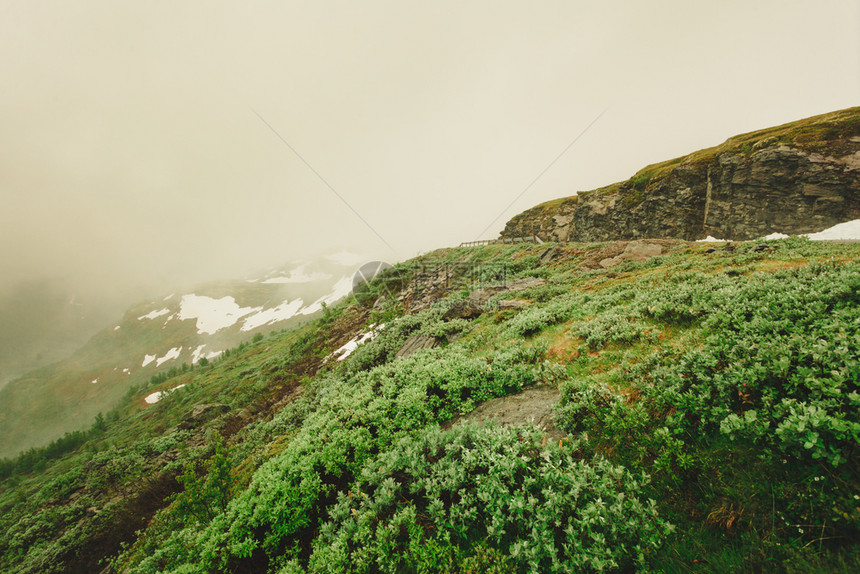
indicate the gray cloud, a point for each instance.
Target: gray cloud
{"x":131,"y":158}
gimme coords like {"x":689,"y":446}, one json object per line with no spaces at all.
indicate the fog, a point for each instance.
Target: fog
{"x":150,"y":144}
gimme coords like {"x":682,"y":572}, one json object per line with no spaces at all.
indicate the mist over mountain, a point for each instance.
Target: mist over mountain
{"x":45,"y":320}
{"x":659,"y":374}
{"x":69,"y":360}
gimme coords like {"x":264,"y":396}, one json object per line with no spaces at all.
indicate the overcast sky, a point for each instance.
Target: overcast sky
{"x":133,"y":153}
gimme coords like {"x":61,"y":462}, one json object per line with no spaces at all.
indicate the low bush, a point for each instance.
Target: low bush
{"x":426,"y":502}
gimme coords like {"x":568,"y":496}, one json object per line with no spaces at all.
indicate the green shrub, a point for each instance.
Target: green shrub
{"x":613,"y":326}
{"x":356,"y":418}
{"x":537,"y":318}
{"x":536,"y":504}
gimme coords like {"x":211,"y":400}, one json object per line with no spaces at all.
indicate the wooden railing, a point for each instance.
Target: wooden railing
{"x":503,"y":240}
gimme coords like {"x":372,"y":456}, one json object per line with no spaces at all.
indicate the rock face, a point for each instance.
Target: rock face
{"x":416,"y":343}
{"x":635,"y":251}
{"x":798,"y":178}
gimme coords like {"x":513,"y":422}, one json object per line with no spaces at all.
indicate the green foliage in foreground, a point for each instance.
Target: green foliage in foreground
{"x":774,"y":386}
{"x":425,"y":502}
{"x":718,"y":393}
{"x":354,"y":419}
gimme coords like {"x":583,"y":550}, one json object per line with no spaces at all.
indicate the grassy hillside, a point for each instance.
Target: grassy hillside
{"x":65,"y":396}
{"x":706,"y":420}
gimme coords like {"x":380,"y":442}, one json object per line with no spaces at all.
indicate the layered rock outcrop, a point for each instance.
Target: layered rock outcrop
{"x":798,"y":178}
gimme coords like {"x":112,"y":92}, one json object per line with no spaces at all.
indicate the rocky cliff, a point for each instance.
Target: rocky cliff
{"x":800,"y":177}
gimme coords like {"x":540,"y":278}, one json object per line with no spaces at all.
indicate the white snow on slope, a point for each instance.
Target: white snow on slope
{"x":843,"y":231}
{"x":346,"y":350}
{"x":198,"y":354}
{"x":154,"y":314}
{"x":212,"y":314}
{"x":850,"y":230}
{"x":94,"y":381}
{"x":170,"y":355}
{"x":341,"y":289}
{"x":712,"y":239}
{"x":147,"y":359}
{"x":153,"y":398}
{"x":282,"y":312}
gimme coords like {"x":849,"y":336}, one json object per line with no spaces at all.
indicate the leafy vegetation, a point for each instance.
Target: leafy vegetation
{"x":423,"y":504}
{"x":708,"y":420}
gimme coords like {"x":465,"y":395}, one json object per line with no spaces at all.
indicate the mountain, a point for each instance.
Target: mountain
{"x":652,"y":405}
{"x":174,"y":331}
{"x":655,"y":404}
{"x":45,"y":320}
{"x":800,"y":177}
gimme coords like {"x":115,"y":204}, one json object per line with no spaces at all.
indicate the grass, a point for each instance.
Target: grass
{"x":734,"y":507}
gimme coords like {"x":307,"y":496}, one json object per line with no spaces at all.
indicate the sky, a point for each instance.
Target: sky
{"x":150,"y":144}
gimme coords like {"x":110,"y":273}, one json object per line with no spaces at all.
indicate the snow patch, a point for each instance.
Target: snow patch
{"x":169,"y":297}
{"x":341,"y":289}
{"x":153,"y":398}
{"x":147,"y":359}
{"x":847,"y":231}
{"x":116,"y":328}
{"x":127,"y":371}
{"x":154,"y":314}
{"x":94,"y":381}
{"x":282,"y":312}
{"x":711,"y":239}
{"x":198,"y":354}
{"x":212,"y":314}
{"x":844,"y":231}
{"x":346,"y":350}
{"x":169,"y":356}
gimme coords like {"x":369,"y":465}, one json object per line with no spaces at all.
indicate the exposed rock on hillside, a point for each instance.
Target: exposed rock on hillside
{"x":797,"y":178}
{"x":634,"y":251}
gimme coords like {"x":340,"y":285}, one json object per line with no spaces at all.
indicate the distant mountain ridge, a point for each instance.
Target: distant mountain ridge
{"x":180,"y":328}
{"x":796,"y":178}
{"x":45,"y":320}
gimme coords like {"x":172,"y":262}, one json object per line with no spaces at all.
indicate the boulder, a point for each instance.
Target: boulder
{"x":416,"y":343}
{"x":635,"y":251}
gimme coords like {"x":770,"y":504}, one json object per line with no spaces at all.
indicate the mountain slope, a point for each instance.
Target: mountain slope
{"x":800,"y":177}
{"x":171,"y":332}
{"x":707,"y":386}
